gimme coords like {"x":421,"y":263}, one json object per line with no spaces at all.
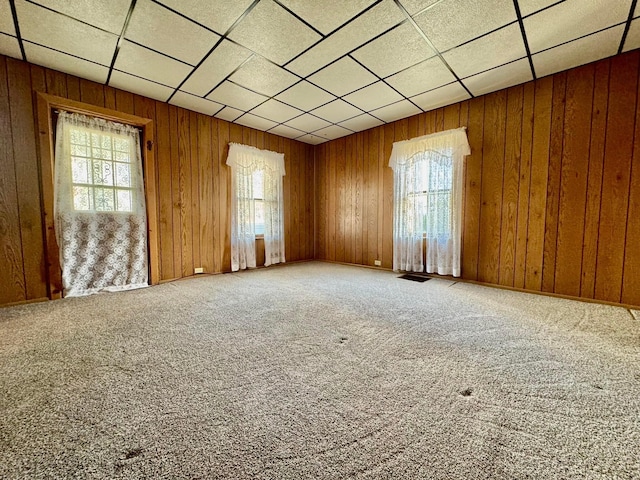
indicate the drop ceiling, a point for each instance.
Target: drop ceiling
{"x":315,"y":70}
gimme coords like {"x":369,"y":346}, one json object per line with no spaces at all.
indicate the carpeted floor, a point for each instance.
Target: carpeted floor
{"x":319,"y":371}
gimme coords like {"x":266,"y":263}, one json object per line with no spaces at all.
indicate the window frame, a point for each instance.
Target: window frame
{"x":47,"y":106}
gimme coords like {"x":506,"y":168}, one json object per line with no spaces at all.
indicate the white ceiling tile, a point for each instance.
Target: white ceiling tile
{"x":109,"y":15}
{"x":308,"y":123}
{"x":361,"y":122}
{"x":253,"y":121}
{"x":150,"y":65}
{"x":384,"y":57}
{"x":305,"y":96}
{"x":440,"y":97}
{"x":285,"y":131}
{"x":220,"y":18}
{"x":9,"y":46}
{"x":633,"y":36}
{"x":197,"y":104}
{"x":65,"y":63}
{"x":499,"y":78}
{"x":235,"y":96}
{"x":572,"y":19}
{"x":342,"y":77}
{"x":277,"y":111}
{"x":336,"y":111}
{"x":56,"y":31}
{"x":229,"y":114}
{"x":373,"y":96}
{"x":579,"y":52}
{"x":453,"y":22}
{"x":274,"y":33}
{"x":425,"y":76}
{"x":367,"y":26}
{"x":487,"y":52}
{"x":527,"y":7}
{"x":6,"y":18}
{"x":140,"y":86}
{"x":263,"y":77}
{"x":223,"y":60}
{"x":332,"y":132}
{"x":312,"y":139}
{"x":315,"y":13}
{"x":156,"y":27}
{"x":417,"y":6}
{"x":396,"y":111}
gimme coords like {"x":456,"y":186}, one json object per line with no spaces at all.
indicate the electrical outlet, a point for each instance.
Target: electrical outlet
{"x":198,"y":270}
{"x":377,"y":263}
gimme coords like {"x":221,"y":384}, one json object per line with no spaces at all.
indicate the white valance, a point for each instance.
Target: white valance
{"x":247,"y":157}
{"x":451,"y":143}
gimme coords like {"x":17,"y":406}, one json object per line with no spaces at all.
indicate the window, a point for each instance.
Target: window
{"x":433,"y":194}
{"x":428,"y":183}
{"x":256,"y":205}
{"x":99,"y":205}
{"x":258,"y":201}
{"x":101,"y":171}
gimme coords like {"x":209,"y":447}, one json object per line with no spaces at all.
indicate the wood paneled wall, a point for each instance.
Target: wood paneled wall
{"x":193,"y":180}
{"x":552,"y":185}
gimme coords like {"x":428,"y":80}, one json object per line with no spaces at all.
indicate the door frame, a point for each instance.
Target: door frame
{"x":47,"y":104}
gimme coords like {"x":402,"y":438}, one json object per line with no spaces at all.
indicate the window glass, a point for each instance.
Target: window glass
{"x":433,"y":193}
{"x":258,"y":201}
{"x":101,"y":172}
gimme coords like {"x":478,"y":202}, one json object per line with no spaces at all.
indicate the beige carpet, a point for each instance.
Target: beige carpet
{"x":319,"y":371}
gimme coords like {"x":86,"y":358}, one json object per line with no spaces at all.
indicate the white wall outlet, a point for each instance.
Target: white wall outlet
{"x":377,"y":263}
{"x":198,"y":270}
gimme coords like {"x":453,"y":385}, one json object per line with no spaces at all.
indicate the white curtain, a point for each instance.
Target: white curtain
{"x":248,"y":163}
{"x":99,"y":206}
{"x":428,"y":184}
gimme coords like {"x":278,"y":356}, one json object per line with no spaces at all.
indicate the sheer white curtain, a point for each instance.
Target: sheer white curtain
{"x":428,"y":184}
{"x":248,"y":163}
{"x":99,"y":206}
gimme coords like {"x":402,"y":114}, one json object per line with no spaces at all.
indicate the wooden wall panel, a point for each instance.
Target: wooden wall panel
{"x":510,"y":185}
{"x":27,"y":166}
{"x":594,"y":181}
{"x":623,"y":83}
{"x":12,"y":283}
{"x":495,"y":115}
{"x":552,"y":185}
{"x":192,"y":181}
{"x":573,"y":181}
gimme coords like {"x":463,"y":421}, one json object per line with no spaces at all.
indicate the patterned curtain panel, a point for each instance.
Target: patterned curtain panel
{"x":428,"y":183}
{"x":100,"y":214}
{"x":256,"y":205}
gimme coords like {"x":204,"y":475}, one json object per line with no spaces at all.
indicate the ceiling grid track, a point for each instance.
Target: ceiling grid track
{"x":132,"y":6}
{"x":16,"y":25}
{"x":516,"y":5}
{"x":632,"y":9}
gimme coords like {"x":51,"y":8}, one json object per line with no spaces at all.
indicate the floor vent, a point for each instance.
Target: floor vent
{"x":415,"y":277}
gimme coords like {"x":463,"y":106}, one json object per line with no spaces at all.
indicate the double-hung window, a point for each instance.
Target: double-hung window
{"x":427,"y":175}
{"x":256,"y":205}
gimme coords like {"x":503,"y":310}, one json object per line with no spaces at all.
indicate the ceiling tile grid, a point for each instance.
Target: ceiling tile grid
{"x":315,"y":71}
{"x":187,"y":41}
{"x":64,"y":34}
